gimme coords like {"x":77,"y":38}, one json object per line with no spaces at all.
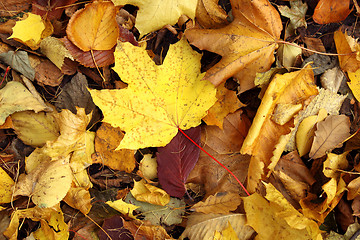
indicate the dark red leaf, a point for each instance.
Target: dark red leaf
{"x":102,"y":57}
{"x":176,"y":160}
{"x":114,"y":228}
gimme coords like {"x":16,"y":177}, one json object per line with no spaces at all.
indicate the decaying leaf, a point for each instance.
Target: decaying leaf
{"x":6,"y":184}
{"x":32,"y":30}
{"x":94,"y":27}
{"x":15,"y":97}
{"x":150,"y":110}
{"x":176,"y":160}
{"x":161,"y":12}
{"x":203,"y":226}
{"x":246,"y":45}
{"x":47,"y":184}
{"x":329,"y":134}
{"x":106,"y":140}
{"x":148,"y":193}
{"x":219,"y":203}
{"x":265,"y":135}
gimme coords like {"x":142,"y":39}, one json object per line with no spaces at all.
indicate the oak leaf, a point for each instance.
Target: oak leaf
{"x":94,"y":27}
{"x":158,"y":99}
{"x":246,"y":45}
{"x":329,"y":134}
{"x":218,"y":203}
{"x":161,"y":12}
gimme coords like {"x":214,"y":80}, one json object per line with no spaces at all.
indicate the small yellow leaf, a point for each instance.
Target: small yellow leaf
{"x":152,"y":108}
{"x":123,"y":207}
{"x":55,"y":50}
{"x":284,"y":112}
{"x":306,"y":131}
{"x":6,"y":184}
{"x":148,"y":193}
{"x":31,"y":30}
{"x":79,"y":198}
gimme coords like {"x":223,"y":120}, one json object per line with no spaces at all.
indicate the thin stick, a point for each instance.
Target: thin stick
{"x":314,"y":51}
{"x":222,"y":165}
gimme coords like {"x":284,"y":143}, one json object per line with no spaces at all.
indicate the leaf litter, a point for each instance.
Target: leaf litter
{"x":107,"y":104}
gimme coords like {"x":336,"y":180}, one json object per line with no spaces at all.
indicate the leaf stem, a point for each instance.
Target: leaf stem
{"x":314,"y":51}
{"x":222,"y":165}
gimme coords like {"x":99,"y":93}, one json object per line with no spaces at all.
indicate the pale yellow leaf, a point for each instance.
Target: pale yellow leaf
{"x":218,"y":203}
{"x":6,"y":184}
{"x":148,"y":193}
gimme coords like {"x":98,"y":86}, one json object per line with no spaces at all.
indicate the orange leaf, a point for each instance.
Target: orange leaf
{"x":94,"y":27}
{"x":331,"y":11}
{"x":246,"y":45}
{"x":347,"y":45}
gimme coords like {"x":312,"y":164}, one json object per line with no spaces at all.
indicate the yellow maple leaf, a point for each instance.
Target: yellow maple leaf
{"x":161,"y":12}
{"x":31,"y":30}
{"x":158,"y":99}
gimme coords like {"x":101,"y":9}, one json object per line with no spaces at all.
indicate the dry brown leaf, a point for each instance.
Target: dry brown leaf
{"x":210,"y":15}
{"x":353,"y":189}
{"x":224,"y":145}
{"x":106,"y":140}
{"x":265,"y":135}
{"x":13,"y":7}
{"x":329,"y":134}
{"x":94,"y":27}
{"x":102,"y":57}
{"x":246,"y":45}
{"x":219,"y":203}
{"x":227,"y":103}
